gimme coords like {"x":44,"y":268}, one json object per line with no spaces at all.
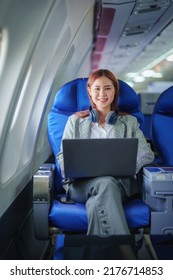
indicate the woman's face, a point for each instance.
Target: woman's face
{"x":102,"y":93}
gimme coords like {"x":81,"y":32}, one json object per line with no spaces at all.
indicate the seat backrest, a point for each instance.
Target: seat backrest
{"x":162,"y":127}
{"x":73,"y":97}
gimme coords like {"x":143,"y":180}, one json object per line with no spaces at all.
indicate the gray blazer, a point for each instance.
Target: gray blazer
{"x":125,"y":127}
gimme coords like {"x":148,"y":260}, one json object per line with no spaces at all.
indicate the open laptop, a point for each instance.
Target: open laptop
{"x":85,"y":158}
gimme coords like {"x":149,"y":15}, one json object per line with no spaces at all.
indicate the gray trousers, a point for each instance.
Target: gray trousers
{"x":103,"y":197}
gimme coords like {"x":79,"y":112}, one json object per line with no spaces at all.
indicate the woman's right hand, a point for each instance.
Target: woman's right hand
{"x":82,"y":114}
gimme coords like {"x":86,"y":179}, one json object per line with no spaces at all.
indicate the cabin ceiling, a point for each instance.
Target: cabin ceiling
{"x":129,"y":35}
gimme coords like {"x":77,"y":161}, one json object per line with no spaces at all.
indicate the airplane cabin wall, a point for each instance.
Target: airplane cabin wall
{"x":47,"y":43}
{"x":45,"y":39}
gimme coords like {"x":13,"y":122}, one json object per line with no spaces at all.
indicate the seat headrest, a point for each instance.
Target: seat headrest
{"x":164,"y":105}
{"x":72,"y":96}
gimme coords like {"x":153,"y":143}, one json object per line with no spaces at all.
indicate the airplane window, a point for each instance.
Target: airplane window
{"x":3,"y":47}
{"x":0,"y":39}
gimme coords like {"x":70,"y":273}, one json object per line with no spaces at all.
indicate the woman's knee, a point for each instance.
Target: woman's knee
{"x":107,"y":183}
{"x":105,"y":187}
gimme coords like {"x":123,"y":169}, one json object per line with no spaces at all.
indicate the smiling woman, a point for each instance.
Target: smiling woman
{"x":105,"y":194}
{"x":102,"y":93}
{"x":110,"y":82}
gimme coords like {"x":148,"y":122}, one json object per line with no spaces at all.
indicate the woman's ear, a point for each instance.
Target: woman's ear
{"x":89,"y":91}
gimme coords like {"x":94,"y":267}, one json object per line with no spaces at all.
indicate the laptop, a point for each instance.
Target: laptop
{"x":84,"y":158}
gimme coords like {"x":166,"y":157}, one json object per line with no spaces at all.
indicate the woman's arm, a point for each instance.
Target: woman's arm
{"x":69,"y":133}
{"x":145,"y":154}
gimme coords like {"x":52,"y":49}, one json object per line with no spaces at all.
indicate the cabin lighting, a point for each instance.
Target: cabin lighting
{"x":170,"y":58}
{"x":157,"y":75}
{"x":148,"y":73}
{"x":138,"y":79}
{"x":131,"y":74}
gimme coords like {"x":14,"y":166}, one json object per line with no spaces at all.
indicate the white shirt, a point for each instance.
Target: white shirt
{"x":97,"y":131}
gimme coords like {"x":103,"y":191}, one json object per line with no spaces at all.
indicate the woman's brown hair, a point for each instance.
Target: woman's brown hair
{"x":104,"y":72}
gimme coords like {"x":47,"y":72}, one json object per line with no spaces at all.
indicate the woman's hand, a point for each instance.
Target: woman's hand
{"x":82,"y":114}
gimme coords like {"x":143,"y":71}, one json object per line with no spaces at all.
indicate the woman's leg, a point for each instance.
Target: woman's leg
{"x":103,"y":197}
{"x":104,"y":207}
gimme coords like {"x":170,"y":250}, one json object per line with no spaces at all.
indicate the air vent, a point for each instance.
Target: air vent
{"x":120,"y":56}
{"x":150,"y":6}
{"x":128,"y":46}
{"x":138,"y":29}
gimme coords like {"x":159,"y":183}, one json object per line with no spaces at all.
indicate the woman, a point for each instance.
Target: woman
{"x":103,"y":196}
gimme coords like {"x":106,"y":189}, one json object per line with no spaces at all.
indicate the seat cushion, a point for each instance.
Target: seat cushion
{"x":73,"y":217}
{"x":69,"y":217}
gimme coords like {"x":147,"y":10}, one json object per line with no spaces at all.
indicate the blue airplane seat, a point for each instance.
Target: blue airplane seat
{"x":162,"y":128}
{"x":161,"y":204}
{"x":70,"y":98}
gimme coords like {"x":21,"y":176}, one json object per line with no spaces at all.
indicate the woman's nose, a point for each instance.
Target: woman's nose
{"x":102,"y":92}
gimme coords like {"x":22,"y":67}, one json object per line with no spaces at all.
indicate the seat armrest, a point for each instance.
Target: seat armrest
{"x":43,"y":182}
